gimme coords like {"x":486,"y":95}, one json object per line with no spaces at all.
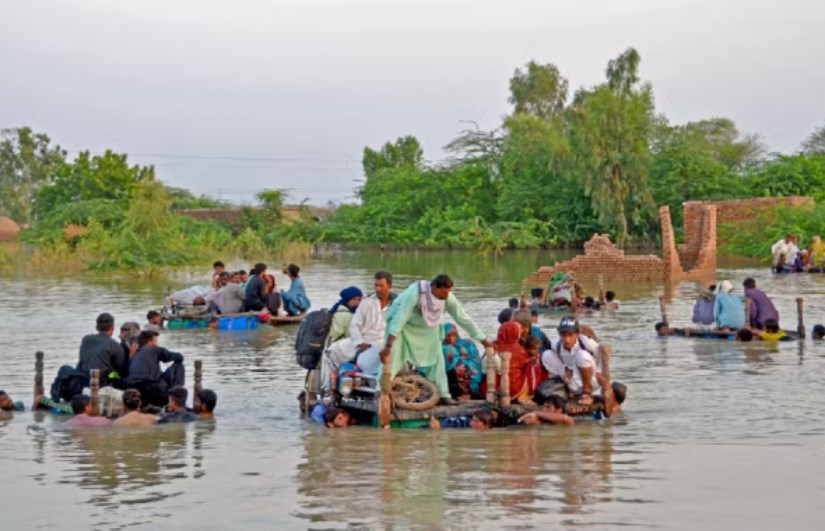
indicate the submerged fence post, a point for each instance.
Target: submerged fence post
{"x":505,"y":378}
{"x":196,"y":401}
{"x":800,"y":324}
{"x":491,"y":375}
{"x":605,"y":351}
{"x":38,"y":376}
{"x":385,"y":402}
{"x":94,"y":385}
{"x":663,"y":309}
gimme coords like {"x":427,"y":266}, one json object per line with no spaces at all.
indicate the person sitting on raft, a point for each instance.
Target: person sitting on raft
{"x":703,"y":307}
{"x":99,"y":351}
{"x":366,"y":332}
{"x":728,"y":309}
{"x":255,"y":297}
{"x":342,"y":312}
{"x":508,"y":340}
{"x":528,"y":328}
{"x":479,"y":420}
{"x":144,"y":370}
{"x":507,"y":313}
{"x":133,"y":416}
{"x":295,"y":300}
{"x":571,"y":358}
{"x":534,"y":372}
{"x":154,"y":321}
{"x":551,"y":411}
{"x":772,"y":331}
{"x":217,"y":268}
{"x":231,"y":297}
{"x":762,"y":308}
{"x":463,"y":364}
{"x":414,"y":330}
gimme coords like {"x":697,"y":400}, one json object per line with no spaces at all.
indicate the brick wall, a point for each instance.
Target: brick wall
{"x":736,"y":211}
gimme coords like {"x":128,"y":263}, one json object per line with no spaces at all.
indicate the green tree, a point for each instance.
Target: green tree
{"x":815,"y":143}
{"x":107,"y":176}
{"x":405,"y":152}
{"x":539,"y":90}
{"x":610,"y":127}
{"x":27,"y":161}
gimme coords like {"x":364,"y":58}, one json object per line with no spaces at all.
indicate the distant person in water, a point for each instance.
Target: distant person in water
{"x":772,"y":331}
{"x":176,"y":408}
{"x":479,"y":420}
{"x":154,"y":321}
{"x":7,"y":404}
{"x":607,"y":300}
{"x":551,"y":411}
{"x":82,"y":408}
{"x":818,"y":332}
{"x":337,"y":418}
{"x":208,"y":401}
{"x":762,"y":309}
{"x":133,"y":416}
{"x":744,"y":334}
{"x":664,"y":330}
{"x":295,"y":300}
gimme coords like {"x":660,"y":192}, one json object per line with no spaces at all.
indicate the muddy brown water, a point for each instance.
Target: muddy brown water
{"x":714,"y":435}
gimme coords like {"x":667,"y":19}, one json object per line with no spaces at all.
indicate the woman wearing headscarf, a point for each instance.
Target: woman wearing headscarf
{"x":728,"y":309}
{"x":816,"y":254}
{"x":508,"y":341}
{"x":342,"y":312}
{"x":463,"y":364}
{"x":295,"y":300}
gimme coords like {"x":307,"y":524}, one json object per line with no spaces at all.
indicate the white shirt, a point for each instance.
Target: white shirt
{"x":369,"y":322}
{"x":789,"y":249}
{"x":578,"y":358}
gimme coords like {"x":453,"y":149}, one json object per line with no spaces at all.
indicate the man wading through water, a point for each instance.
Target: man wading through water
{"x":414,"y":332}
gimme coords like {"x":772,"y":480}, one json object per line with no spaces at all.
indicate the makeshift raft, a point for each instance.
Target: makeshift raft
{"x":246,"y":321}
{"x":382,"y":412}
{"x":790,"y":335}
{"x":286,"y":320}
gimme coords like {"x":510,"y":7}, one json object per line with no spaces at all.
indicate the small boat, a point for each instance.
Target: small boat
{"x":243,"y":321}
{"x":728,"y":336}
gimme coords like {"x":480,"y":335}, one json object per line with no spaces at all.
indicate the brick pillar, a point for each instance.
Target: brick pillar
{"x":707,"y":252}
{"x":672,"y":264}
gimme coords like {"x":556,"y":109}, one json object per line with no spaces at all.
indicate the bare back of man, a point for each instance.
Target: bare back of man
{"x":135,"y":418}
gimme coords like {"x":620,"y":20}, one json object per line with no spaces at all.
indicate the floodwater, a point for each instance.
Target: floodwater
{"x":714,"y":434}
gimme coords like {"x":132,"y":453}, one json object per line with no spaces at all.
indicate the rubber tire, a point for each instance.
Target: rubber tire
{"x":420,"y":381}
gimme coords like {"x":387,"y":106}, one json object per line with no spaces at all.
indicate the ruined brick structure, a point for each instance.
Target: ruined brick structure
{"x":743,"y":210}
{"x":694,"y":260}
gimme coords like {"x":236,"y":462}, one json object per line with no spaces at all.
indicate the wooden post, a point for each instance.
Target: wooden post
{"x":800,"y":323}
{"x":663,"y":309}
{"x":38,"y":376}
{"x":196,"y":402}
{"x":491,"y":375}
{"x":385,"y":402}
{"x":95,"y":387}
{"x":605,"y":351}
{"x":504,"y":399}
{"x":748,"y":303}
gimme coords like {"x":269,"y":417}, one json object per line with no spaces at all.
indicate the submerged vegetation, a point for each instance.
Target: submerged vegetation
{"x":558,"y":169}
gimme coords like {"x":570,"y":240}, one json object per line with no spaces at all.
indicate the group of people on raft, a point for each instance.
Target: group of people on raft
{"x":564,"y":293}
{"x":720,"y":312}
{"x":787,"y":257}
{"x":231,"y":293}
{"x":409,"y":330}
{"x":130,"y":371}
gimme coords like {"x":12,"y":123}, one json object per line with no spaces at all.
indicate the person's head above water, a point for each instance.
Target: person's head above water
{"x":153,"y":317}
{"x":6,"y":403}
{"x":771,"y":326}
{"x":177,"y":399}
{"x":744,"y":334}
{"x":81,"y":404}
{"x":131,"y":400}
{"x":818,"y":332}
{"x":662,"y":329}
{"x":335,"y":417}
{"x":481,"y":420}
{"x":440,"y":286}
{"x":553,"y":403}
{"x":208,"y":399}
{"x":609,"y":296}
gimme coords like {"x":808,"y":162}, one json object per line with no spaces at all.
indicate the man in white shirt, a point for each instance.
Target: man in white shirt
{"x":229,"y":299}
{"x":783,"y":252}
{"x":572,"y":358}
{"x":366,"y":333}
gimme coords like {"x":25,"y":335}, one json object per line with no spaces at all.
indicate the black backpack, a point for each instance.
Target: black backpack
{"x":312,"y":333}
{"x":68,"y":383}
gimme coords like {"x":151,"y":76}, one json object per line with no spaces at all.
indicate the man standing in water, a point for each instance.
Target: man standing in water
{"x":414,"y":332}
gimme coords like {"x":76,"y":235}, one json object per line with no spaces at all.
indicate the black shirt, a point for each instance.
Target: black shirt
{"x":255,"y":294}
{"x":145,"y":364}
{"x":101,"y":352}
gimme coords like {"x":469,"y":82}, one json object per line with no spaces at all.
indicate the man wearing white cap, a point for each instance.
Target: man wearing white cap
{"x":728,"y":309}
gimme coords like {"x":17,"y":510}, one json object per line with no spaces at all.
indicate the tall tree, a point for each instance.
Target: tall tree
{"x":27,"y":161}
{"x":404,"y":152}
{"x":815,"y":143}
{"x":539,"y":90}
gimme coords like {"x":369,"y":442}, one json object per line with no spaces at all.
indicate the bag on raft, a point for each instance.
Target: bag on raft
{"x":68,"y":383}
{"x":309,"y":345}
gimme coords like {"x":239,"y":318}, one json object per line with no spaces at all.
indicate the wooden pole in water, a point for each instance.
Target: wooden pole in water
{"x":95,"y":387}
{"x":491,"y":375}
{"x":800,"y":325}
{"x":663,"y":309}
{"x":385,"y":402}
{"x":196,"y":401}
{"x":605,"y":351}
{"x":504,"y":399}
{"x":748,"y":303}
{"x":38,"y":376}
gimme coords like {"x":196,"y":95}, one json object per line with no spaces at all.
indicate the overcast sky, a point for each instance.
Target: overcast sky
{"x":229,"y":97}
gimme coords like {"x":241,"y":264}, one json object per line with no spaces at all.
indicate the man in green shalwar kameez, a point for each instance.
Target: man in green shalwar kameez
{"x":414,"y":333}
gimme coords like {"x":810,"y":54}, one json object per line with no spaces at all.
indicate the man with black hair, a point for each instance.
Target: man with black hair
{"x":133,"y":416}
{"x":481,"y":419}
{"x":762,"y":308}
{"x":217,"y":269}
{"x":82,"y":408}
{"x":99,"y":351}
{"x":129,"y":332}
{"x":571,"y":358}
{"x":208,"y":400}
{"x":335,"y":417}
{"x":255,"y":299}
{"x":7,"y":404}
{"x":551,"y":411}
{"x":414,"y":332}
{"x":154,"y":321}
{"x":144,"y":370}
{"x":818,"y":332}
{"x":176,"y":408}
